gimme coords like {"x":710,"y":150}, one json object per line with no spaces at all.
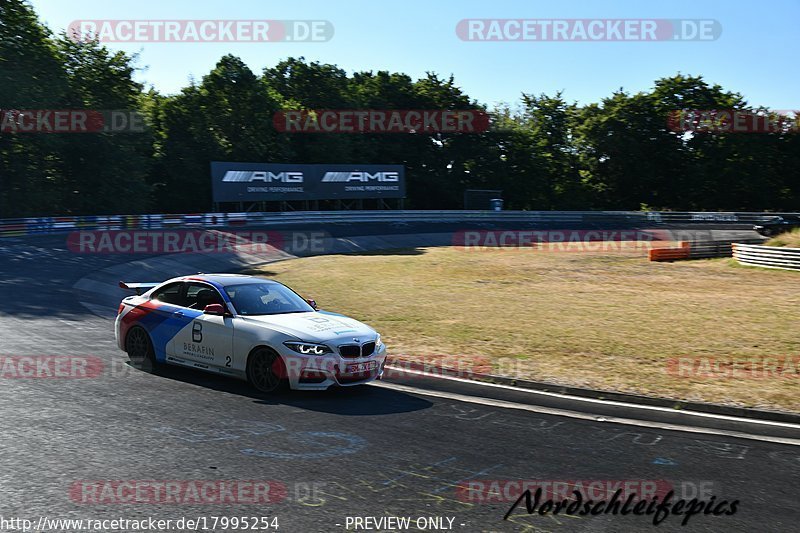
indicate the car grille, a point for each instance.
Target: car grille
{"x":353,"y":351}
{"x":367,"y":349}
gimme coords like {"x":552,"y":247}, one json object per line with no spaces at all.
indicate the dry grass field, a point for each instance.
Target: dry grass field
{"x":790,"y":239}
{"x":610,"y":320}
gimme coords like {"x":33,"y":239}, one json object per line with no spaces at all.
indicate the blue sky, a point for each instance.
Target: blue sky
{"x":753,"y":55}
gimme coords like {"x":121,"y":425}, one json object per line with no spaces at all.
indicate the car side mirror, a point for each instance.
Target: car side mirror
{"x":214,"y":309}
{"x":312,"y":303}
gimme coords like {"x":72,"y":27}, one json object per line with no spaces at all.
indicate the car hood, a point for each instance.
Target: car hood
{"x":316,"y":327}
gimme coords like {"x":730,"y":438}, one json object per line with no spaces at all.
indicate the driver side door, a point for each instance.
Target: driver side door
{"x":207,"y":341}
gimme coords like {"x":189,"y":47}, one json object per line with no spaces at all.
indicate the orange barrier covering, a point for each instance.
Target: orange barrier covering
{"x":670,"y":254}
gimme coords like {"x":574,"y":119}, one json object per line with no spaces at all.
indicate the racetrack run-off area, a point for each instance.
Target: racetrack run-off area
{"x":611,"y":321}
{"x":79,"y":448}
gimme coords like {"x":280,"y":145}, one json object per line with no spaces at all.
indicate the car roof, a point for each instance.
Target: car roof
{"x":227,"y":280}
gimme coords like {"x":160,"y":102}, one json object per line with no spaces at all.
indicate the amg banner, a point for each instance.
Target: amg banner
{"x":256,"y":182}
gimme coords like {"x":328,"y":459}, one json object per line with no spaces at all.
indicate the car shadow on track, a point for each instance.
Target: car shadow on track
{"x":362,"y":400}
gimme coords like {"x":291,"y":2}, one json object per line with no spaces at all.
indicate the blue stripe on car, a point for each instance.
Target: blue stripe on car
{"x":163,"y":325}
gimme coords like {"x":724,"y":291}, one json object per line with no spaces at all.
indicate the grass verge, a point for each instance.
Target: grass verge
{"x":609,"y":321}
{"x":790,"y":239}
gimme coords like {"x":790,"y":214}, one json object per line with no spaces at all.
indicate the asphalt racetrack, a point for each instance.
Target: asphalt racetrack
{"x":374,"y":451}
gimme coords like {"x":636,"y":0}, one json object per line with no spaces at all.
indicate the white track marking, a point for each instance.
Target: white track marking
{"x":583,"y":416}
{"x":608,"y":402}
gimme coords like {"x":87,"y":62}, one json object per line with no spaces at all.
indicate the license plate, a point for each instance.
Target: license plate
{"x":361,"y":367}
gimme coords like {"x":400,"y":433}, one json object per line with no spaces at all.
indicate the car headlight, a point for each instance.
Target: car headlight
{"x":378,"y":342}
{"x":308,"y":348}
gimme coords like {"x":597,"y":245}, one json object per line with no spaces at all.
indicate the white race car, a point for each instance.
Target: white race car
{"x":249,"y":328}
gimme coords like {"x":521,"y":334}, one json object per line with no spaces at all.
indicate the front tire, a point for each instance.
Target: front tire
{"x":266,"y":370}
{"x":140,"y":348}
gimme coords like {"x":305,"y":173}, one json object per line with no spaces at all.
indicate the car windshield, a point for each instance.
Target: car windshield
{"x":253,"y":299}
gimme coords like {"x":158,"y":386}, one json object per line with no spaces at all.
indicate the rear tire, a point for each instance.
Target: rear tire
{"x":266,"y":371}
{"x":140,"y":348}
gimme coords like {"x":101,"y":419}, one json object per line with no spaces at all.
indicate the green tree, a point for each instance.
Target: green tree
{"x":31,"y":77}
{"x":97,"y":166}
{"x":227,"y":117}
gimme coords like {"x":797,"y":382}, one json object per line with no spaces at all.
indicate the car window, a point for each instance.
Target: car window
{"x":170,"y":294}
{"x":199,"y":295}
{"x":266,"y":299}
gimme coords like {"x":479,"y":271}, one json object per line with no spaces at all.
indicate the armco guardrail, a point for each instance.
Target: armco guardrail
{"x":767,"y":256}
{"x":65,"y":224}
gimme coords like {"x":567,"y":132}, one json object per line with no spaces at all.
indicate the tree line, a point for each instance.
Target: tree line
{"x":543,"y":151}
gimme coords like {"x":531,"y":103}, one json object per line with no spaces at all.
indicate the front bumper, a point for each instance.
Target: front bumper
{"x":320,"y":373}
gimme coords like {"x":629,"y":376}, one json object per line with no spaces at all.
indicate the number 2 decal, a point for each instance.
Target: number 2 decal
{"x":227,"y":360}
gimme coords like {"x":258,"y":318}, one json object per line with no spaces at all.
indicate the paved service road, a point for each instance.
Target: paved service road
{"x":314,"y":459}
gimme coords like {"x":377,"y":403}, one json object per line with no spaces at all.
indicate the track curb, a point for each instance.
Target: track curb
{"x":678,"y":406}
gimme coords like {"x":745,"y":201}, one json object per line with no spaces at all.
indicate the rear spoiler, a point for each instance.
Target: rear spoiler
{"x":138,"y":287}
